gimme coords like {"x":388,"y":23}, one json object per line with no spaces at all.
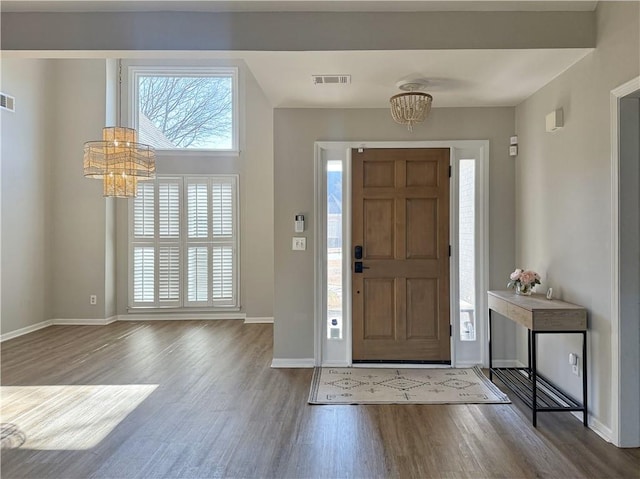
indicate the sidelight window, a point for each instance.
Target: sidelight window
{"x":466,"y":249}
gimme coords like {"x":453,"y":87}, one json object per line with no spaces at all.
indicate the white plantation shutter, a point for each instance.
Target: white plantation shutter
{"x":222,"y":208}
{"x":143,"y":274}
{"x":169,"y":210}
{"x":223,"y":273}
{"x":198,"y":210}
{"x":197,"y":274}
{"x":184,"y":243}
{"x":169,"y":274}
{"x":144,"y":210}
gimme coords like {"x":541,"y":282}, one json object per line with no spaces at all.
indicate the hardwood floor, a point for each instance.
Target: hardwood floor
{"x":213,"y":408}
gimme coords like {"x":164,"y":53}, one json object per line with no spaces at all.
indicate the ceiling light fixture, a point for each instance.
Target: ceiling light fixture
{"x":413,"y":106}
{"x":119,"y":160}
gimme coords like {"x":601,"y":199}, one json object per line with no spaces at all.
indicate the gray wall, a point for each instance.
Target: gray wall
{"x":26,"y":258}
{"x":78,"y":209}
{"x":563,"y":196}
{"x":295,"y":31}
{"x":296,"y":130}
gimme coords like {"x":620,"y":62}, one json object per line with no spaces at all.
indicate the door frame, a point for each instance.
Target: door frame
{"x":618,"y":376}
{"x":342,"y":150}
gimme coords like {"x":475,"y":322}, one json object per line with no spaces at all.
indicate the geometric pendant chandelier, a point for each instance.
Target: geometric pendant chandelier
{"x":119,"y":161}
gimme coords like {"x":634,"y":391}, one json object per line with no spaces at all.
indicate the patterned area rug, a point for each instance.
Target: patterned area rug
{"x":403,"y":386}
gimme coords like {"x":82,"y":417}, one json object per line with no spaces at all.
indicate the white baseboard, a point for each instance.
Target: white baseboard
{"x":259,"y":320}
{"x":293,"y":363}
{"x":596,"y":426}
{"x":83,"y":322}
{"x":468,"y":364}
{"x":25,"y":330}
{"x":160,"y":316}
{"x":401,"y":366}
{"x":508,"y":363}
{"x":336,"y":364}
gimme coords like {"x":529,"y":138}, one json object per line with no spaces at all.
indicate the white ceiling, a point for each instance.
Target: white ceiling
{"x":457,"y":78}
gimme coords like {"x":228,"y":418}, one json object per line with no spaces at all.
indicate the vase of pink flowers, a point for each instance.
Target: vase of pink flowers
{"x":523,"y":280}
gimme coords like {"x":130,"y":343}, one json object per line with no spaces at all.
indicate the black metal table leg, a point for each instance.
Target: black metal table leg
{"x":534,"y":374}
{"x":529,"y":353}
{"x":490,"y":353}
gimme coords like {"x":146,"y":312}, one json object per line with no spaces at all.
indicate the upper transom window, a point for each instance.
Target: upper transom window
{"x":186,"y":109}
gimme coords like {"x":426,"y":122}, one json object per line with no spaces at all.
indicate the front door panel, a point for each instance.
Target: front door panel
{"x":401,"y":222}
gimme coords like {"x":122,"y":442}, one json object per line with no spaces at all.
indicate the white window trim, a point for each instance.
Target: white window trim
{"x":136,"y":71}
{"x":133,"y":307}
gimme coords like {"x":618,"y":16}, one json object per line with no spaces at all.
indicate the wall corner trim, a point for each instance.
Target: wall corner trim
{"x":293,"y":363}
{"x":259,"y":320}
{"x":25,"y":330}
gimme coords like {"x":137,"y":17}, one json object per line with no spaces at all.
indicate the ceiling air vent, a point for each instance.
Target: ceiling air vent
{"x":7,"y":102}
{"x":331,"y":79}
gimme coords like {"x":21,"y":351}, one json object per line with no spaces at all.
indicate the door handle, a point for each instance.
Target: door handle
{"x":359,"y":267}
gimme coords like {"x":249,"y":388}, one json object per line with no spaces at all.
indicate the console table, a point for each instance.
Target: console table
{"x":540,"y":316}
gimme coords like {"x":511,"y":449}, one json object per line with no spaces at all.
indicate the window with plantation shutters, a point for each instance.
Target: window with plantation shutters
{"x":184,"y":243}
{"x":211,"y":241}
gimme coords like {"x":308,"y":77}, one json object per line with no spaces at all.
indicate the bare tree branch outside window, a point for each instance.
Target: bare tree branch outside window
{"x":186,"y":112}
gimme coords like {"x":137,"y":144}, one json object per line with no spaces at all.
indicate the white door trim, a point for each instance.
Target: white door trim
{"x":616,"y":353}
{"x":482,"y":146}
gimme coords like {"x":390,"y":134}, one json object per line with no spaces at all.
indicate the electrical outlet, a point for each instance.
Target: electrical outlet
{"x":93,"y":299}
{"x":575,"y":369}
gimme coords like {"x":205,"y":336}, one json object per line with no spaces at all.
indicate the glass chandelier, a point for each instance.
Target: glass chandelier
{"x":119,"y":161}
{"x":412,"y":106}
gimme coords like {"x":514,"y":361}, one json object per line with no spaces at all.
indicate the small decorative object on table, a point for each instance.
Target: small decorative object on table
{"x":524,"y":281}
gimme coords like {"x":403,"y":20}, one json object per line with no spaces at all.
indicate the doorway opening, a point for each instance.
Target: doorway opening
{"x":468,"y":237}
{"x":625,"y":271}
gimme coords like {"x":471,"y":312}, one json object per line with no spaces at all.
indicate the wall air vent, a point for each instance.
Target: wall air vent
{"x":7,"y":102}
{"x":331,"y":79}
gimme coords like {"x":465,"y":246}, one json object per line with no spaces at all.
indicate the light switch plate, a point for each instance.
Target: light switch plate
{"x":299,"y":243}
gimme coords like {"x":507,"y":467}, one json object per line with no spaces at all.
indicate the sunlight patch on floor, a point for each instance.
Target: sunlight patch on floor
{"x":65,"y":417}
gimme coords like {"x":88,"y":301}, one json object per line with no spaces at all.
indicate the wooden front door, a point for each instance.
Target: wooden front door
{"x":401,"y":231}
